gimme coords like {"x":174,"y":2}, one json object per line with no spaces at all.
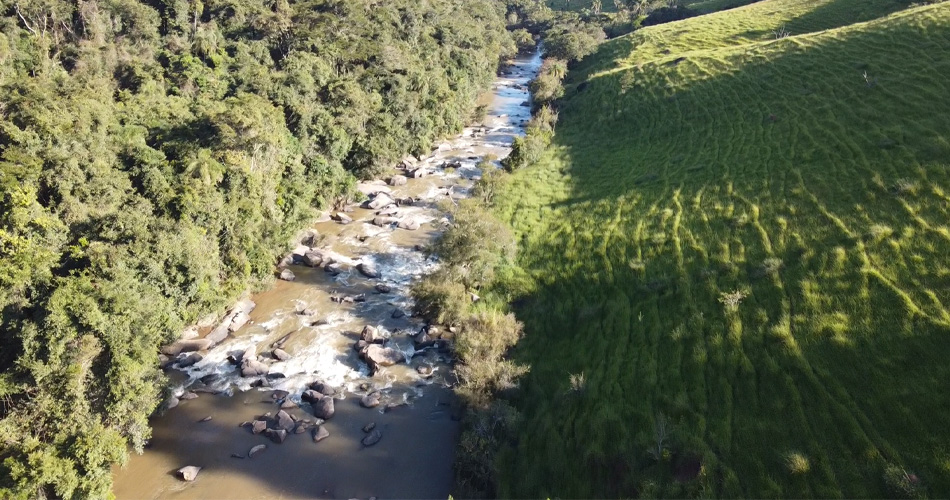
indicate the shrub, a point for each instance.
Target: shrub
{"x":441,"y":298}
{"x":525,"y":151}
{"x":487,"y":335}
{"x":797,"y":463}
{"x":903,"y":484}
{"x":475,"y":244}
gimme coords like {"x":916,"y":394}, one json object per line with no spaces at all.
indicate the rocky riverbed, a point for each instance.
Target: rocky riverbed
{"x":325,"y":385}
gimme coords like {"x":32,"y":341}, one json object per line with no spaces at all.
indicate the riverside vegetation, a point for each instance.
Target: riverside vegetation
{"x":155,"y":160}
{"x":732,"y":270}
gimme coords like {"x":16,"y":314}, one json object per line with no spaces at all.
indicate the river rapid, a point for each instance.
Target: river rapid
{"x":314,"y":321}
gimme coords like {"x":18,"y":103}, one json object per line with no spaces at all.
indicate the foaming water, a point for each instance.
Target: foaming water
{"x":304,"y":330}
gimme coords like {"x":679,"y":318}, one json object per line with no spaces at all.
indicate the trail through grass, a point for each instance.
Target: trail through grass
{"x":809,"y":173}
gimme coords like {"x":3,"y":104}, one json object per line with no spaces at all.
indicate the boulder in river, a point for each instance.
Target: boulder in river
{"x":398,"y":313}
{"x":320,"y":433}
{"x":257,"y":450}
{"x":370,"y":400}
{"x":409,"y":224}
{"x":323,"y":407}
{"x":287,"y":275}
{"x":424,"y":370}
{"x":176,"y":348}
{"x":372,"y":438}
{"x":368,"y":269}
{"x":398,"y":180}
{"x":377,"y":356}
{"x":334,"y":268}
{"x":280,"y":354}
{"x":383,"y":288}
{"x":379,"y":201}
{"x":253,"y":368}
{"x":313,"y":258}
{"x":189,"y":473}
{"x":188,"y":395}
{"x":190,"y":360}
{"x":284,"y":421}
{"x":323,"y":388}
{"x":342,"y":218}
{"x":371,"y":335}
{"x":384,"y":221}
{"x":258,"y":426}
{"x":419,"y":173}
{"x":277,"y":435}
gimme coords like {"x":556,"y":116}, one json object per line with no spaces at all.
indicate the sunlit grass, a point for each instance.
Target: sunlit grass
{"x":706,"y":157}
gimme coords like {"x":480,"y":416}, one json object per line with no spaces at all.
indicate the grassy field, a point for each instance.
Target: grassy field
{"x":809,"y":173}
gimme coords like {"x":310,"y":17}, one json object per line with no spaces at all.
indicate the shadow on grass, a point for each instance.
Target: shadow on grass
{"x":831,"y":368}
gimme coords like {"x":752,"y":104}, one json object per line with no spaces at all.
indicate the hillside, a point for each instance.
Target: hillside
{"x":738,"y":248}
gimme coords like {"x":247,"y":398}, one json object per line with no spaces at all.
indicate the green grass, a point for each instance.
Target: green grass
{"x":703,"y":157}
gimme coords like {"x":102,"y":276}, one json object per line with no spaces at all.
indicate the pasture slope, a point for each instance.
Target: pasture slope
{"x":810,"y":173}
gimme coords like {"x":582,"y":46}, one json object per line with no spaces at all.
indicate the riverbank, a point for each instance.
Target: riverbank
{"x":315,"y":320}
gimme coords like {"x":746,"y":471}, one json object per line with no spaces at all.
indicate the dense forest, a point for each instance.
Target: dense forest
{"x":156,"y":156}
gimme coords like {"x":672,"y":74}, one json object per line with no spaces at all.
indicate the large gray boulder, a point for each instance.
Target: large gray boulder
{"x":287,"y":275}
{"x":377,"y":356}
{"x":192,"y":345}
{"x":313,"y":258}
{"x":253,"y":368}
{"x":409,"y":224}
{"x":284,"y":421}
{"x":371,"y":335}
{"x":323,"y":407}
{"x":379,"y":201}
{"x":368,"y":269}
{"x":398,"y":180}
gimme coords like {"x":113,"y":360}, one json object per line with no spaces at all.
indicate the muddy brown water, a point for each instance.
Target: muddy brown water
{"x":414,"y":457}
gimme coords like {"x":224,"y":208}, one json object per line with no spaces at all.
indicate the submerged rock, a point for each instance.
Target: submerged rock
{"x":383,"y":288}
{"x":372,"y":438}
{"x":370,"y":400}
{"x":320,"y":433}
{"x":257,"y":450}
{"x":189,"y":473}
{"x":370,"y":426}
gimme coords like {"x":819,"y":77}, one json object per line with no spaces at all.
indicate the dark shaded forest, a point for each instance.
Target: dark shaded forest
{"x":156,"y":156}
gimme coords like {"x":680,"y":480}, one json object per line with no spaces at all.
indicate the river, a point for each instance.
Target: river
{"x":313,"y":320}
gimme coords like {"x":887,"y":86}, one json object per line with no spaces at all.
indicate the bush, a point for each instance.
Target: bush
{"x":525,"y":151}
{"x":441,"y":298}
{"x":476,"y":244}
